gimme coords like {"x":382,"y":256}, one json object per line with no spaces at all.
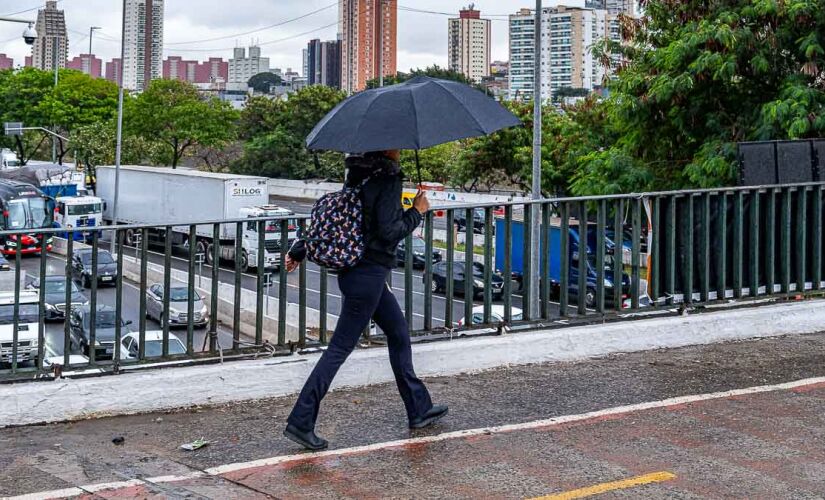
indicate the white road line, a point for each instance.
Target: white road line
{"x":536,"y":424}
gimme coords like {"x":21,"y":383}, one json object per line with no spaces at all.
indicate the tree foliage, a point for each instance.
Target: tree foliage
{"x":275,"y":132}
{"x":263,"y":82}
{"x":702,"y":76}
{"x":172,"y":113}
{"x":434,"y":71}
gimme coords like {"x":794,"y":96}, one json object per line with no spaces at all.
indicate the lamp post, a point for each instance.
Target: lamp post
{"x":535,"y":231}
{"x":91,"y":34}
{"x":119,"y":138}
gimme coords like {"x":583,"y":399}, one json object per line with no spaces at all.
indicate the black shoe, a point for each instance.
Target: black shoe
{"x":429,"y":418}
{"x":308,"y":440}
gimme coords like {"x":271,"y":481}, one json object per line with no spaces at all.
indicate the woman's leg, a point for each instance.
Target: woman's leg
{"x":361,"y":289}
{"x":391,"y":320}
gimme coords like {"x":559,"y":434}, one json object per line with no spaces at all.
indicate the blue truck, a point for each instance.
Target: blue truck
{"x":553,"y":271}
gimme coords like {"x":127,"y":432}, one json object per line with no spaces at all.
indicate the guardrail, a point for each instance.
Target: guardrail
{"x":679,"y":249}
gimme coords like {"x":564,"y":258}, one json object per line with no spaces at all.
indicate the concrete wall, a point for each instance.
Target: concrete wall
{"x":66,"y":399}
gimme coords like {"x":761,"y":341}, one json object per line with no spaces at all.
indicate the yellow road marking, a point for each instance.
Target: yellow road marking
{"x":656,"y":477}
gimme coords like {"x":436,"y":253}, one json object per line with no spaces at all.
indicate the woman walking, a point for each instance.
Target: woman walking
{"x":366,"y":296}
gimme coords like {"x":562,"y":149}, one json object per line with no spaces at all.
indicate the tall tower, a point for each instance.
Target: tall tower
{"x":362,"y":24}
{"x":52,"y":43}
{"x":468,"y":44}
{"x":143,"y":58}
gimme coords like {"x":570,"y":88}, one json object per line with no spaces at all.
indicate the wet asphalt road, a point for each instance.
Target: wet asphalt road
{"x":57,"y":456}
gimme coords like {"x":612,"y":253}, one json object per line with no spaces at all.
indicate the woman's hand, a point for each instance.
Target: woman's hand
{"x":421,"y":203}
{"x":291,"y":264}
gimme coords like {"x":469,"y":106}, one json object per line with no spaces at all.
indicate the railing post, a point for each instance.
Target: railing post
{"x":601,"y":222}
{"x":488,"y":264}
{"x":408,"y":283}
{"x":213,"y":297}
{"x":544,"y":260}
{"x":93,"y":300}
{"x":704,"y":255}
{"x":67,"y":336}
{"x":721,"y":247}
{"x":428,"y":271}
{"x":508,"y":264}
{"x":564,"y":258}
{"x":816,"y":250}
{"x":770,"y":243}
{"x":469,"y":290}
{"x":190,"y":290}
{"x":449,"y":287}
{"x":801,"y":238}
{"x":282,"y":282}
{"x":618,"y":269}
{"x":753,"y":257}
{"x":738,"y":210}
{"x":583,"y":256}
{"x":144,"y":251}
{"x":635,"y":252}
{"x":785,"y":245}
{"x":167,"y":287}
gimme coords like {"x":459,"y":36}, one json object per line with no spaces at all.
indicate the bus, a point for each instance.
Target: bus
{"x":24,"y":207}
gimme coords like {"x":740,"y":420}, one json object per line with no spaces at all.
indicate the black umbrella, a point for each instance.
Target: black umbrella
{"x":417,"y":114}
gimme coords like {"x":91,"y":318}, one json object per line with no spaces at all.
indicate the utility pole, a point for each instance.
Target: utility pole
{"x":119,"y":139}
{"x":535,"y":231}
{"x":55,"y":47}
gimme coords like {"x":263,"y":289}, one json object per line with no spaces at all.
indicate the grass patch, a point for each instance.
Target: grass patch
{"x":459,"y":247}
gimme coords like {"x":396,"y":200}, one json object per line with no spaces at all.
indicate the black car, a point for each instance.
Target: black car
{"x":439,"y":282}
{"x":419,"y":253}
{"x":80,"y":322}
{"x":82,"y":267}
{"x":53,"y":289}
{"x":478,"y":220}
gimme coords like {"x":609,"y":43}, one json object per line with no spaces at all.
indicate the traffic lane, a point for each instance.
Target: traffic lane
{"x":373,"y":415}
{"x":107,"y":295}
{"x":249,"y":281}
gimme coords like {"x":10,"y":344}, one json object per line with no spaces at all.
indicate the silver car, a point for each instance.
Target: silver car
{"x":178,"y":306}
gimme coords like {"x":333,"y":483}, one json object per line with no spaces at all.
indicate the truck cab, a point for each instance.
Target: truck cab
{"x":79,"y":212}
{"x":272,"y":235}
{"x":28,"y":326}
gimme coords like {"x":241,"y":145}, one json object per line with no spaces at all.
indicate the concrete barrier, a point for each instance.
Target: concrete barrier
{"x":154,"y":390}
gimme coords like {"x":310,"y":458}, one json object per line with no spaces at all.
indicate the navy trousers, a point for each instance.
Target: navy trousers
{"x":365,"y":295}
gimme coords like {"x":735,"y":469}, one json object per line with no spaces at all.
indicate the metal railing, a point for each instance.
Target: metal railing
{"x":601,"y":258}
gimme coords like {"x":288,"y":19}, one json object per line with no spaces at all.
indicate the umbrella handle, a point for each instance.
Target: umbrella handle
{"x":418,"y":169}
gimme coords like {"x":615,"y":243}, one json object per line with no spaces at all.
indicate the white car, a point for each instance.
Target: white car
{"x":496,"y":315}
{"x":153,"y":346}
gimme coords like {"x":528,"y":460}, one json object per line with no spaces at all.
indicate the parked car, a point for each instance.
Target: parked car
{"x":419,"y":253}
{"x":439,"y":282}
{"x":105,"y":321}
{"x":82,"y":267}
{"x":477,"y":222}
{"x":53,"y":289}
{"x":4,"y":263}
{"x":178,"y":306}
{"x":153,"y":345}
{"x":496,"y":315}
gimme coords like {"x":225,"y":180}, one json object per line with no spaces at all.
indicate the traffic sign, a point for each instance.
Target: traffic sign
{"x":13,"y":128}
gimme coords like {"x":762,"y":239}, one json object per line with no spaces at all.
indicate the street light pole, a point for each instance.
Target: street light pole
{"x":119,"y":139}
{"x":55,"y":47}
{"x":535,"y":231}
{"x":91,"y":33}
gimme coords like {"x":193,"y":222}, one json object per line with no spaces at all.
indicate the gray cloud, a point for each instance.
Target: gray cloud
{"x":422,"y":38}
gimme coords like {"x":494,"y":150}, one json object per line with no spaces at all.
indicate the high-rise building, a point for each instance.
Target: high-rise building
{"x":365,"y":26}
{"x":52,"y":43}
{"x":176,"y":68}
{"x":28,"y":62}
{"x":6,"y":62}
{"x":143,"y":58}
{"x":88,"y":64}
{"x":468,"y":44}
{"x":323,"y":63}
{"x":243,"y":67}
{"x":113,"y":70}
{"x":568,"y":35}
{"x":522,"y":55}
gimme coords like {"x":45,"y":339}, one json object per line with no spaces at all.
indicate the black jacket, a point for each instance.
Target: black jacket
{"x":385,"y":222}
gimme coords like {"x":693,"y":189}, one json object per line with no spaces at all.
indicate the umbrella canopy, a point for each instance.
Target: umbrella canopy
{"x":417,"y":114}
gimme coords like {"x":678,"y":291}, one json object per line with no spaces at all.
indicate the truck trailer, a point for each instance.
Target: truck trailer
{"x":178,"y":197}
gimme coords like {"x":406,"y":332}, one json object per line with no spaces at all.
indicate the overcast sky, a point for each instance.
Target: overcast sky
{"x":422,"y":38}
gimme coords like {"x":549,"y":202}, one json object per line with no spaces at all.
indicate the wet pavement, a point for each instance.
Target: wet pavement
{"x":763,"y":445}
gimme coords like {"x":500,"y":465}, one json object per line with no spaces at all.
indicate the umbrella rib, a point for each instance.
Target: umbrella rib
{"x":442,"y":87}
{"x":415,"y":120}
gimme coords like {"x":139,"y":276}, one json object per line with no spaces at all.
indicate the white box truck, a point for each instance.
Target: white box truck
{"x":164,"y":196}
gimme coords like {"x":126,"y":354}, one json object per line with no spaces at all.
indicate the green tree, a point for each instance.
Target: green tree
{"x":78,"y":100}
{"x":263,"y":82}
{"x":21,"y":92}
{"x":434,"y":71}
{"x":700,"y":77}
{"x":276,"y":132}
{"x":172,"y":113}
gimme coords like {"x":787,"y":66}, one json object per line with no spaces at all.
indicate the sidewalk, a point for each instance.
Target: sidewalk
{"x":766,"y":444}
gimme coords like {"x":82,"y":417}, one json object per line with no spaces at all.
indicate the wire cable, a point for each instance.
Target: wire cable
{"x":38,"y":7}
